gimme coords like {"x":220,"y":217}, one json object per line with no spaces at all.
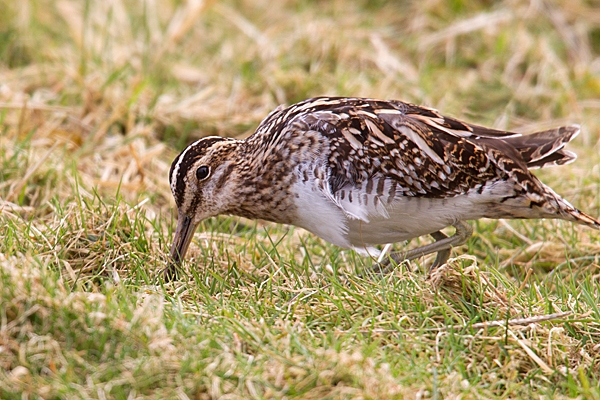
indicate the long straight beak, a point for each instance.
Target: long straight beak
{"x":183,"y":237}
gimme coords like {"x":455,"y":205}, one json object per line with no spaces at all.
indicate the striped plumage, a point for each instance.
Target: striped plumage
{"x":363,"y":172}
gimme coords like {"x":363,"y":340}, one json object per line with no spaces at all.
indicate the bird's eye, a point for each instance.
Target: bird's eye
{"x":202,"y":172}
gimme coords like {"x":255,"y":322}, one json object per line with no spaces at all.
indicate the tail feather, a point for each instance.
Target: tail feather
{"x":545,"y":148}
{"x":560,"y":157}
{"x":585,"y":219}
{"x":571,"y":213}
{"x":559,"y":206}
{"x":555,"y":206}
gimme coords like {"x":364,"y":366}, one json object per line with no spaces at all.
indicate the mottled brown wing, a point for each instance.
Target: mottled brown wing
{"x":401,"y":149}
{"x":424,"y":153}
{"x":440,"y":123}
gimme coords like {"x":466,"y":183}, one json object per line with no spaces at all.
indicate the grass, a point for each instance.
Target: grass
{"x":97,"y":98}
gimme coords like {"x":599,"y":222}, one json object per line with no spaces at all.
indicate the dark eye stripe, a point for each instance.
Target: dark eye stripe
{"x":184,"y":161}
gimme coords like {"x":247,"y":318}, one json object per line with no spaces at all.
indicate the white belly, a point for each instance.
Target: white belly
{"x":405,"y":218}
{"x":410,"y":217}
{"x":318,"y":214}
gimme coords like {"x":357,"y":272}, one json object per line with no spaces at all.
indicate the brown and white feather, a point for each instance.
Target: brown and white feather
{"x":361,"y":172}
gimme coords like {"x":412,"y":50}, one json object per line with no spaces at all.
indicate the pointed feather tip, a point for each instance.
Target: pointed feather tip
{"x":575,"y":129}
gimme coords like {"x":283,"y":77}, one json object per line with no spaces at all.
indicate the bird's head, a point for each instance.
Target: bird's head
{"x":199,"y":179}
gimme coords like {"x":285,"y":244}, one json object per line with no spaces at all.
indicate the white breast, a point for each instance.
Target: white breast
{"x":359,"y":221}
{"x":319,"y":214}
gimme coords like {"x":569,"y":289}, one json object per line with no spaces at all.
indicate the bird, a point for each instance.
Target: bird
{"x":363,"y":174}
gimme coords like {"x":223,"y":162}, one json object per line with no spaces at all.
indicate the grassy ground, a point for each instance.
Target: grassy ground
{"x":96,"y":99}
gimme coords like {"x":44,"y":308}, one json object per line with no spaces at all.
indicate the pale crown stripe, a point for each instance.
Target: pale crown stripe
{"x":181,"y":158}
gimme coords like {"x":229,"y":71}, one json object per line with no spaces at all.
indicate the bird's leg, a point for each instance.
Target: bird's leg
{"x":442,"y":255}
{"x":442,"y":246}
